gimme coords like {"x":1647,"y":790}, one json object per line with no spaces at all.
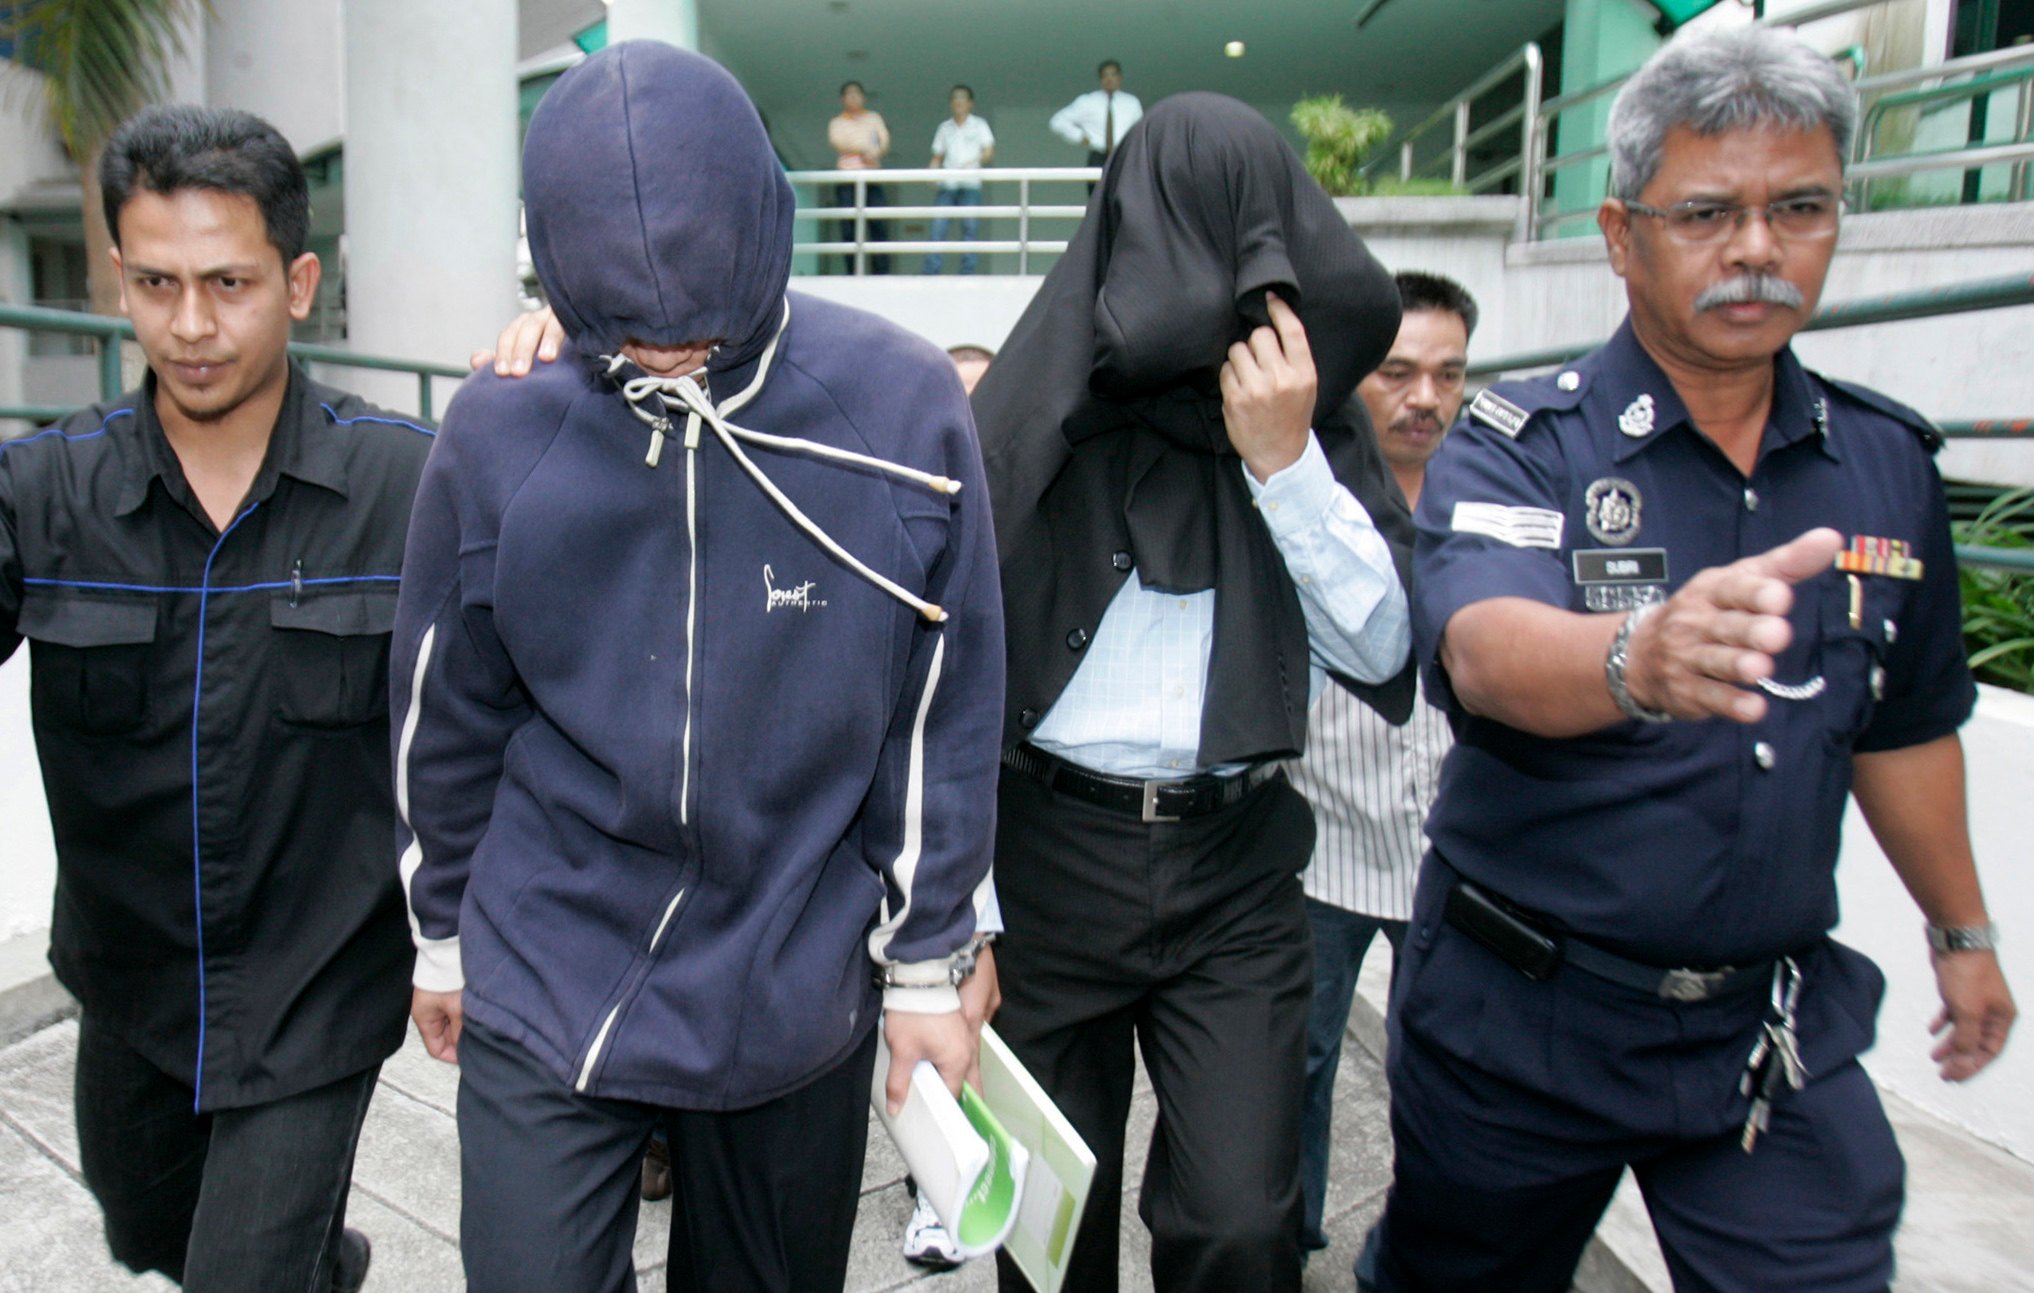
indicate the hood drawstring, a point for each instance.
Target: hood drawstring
{"x":675,"y":393}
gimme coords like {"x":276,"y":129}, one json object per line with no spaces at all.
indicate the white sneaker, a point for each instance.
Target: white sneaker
{"x":926,"y":1242}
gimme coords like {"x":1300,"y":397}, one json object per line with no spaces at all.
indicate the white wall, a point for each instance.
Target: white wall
{"x":1880,"y":920}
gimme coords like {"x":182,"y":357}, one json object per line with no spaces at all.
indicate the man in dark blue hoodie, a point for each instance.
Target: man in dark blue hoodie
{"x":697,"y":715}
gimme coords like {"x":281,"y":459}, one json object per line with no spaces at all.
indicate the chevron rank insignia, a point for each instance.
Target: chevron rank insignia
{"x":1493,"y":410}
{"x":1869,"y":556}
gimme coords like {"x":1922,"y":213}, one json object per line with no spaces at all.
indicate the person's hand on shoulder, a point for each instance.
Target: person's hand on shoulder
{"x":536,"y":335}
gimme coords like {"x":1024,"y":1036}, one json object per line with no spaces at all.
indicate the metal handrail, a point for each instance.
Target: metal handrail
{"x":1456,"y":111}
{"x":1989,"y":72}
{"x":110,"y":330}
{"x":1024,"y":210}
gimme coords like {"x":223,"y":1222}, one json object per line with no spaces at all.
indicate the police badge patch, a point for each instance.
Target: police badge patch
{"x":1613,"y":511}
{"x":1637,"y":419}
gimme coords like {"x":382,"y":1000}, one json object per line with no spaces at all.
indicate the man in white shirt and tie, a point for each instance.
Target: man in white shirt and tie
{"x":1099,"y":118}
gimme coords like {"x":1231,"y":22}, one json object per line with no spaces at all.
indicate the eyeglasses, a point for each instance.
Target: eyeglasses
{"x":1803,"y":218}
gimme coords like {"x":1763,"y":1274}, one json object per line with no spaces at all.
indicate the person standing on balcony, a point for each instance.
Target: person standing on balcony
{"x":1195,"y":530}
{"x":206,"y":571}
{"x":698,"y":701}
{"x":962,"y":143}
{"x":1683,"y":599}
{"x":1370,"y":783}
{"x":1100,"y":118}
{"x":860,"y":141}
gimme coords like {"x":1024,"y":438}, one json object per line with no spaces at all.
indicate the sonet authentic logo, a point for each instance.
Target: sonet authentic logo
{"x":798,"y":597}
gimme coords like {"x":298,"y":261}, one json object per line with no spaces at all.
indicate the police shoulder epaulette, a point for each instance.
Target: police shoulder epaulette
{"x":1509,"y":406}
{"x":1931,"y":436}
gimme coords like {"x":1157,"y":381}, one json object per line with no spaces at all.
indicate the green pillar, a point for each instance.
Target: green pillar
{"x":1601,"y":40}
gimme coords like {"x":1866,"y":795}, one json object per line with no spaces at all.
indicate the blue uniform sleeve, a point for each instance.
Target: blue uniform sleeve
{"x":931,"y":821}
{"x":454,"y":699}
{"x":1928,"y":690}
{"x":1491,"y":523}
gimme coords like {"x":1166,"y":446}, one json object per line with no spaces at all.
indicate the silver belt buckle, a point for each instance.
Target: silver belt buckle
{"x":1151,"y":813}
{"x":1691,"y":985}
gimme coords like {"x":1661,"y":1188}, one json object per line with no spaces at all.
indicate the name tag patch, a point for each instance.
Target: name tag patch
{"x":1521,"y":527}
{"x":1621,"y":566}
{"x":1494,"y":410}
{"x":1621,"y":579}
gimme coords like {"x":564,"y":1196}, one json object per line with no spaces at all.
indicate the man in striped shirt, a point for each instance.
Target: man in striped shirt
{"x":1370,"y":783}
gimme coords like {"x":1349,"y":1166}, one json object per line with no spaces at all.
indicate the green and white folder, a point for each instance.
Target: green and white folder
{"x":967,"y":1166}
{"x":1062,"y":1167}
{"x":1002,"y":1168}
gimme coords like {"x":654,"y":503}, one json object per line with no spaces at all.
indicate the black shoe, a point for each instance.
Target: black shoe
{"x":355,"y":1255}
{"x":657,"y":1171}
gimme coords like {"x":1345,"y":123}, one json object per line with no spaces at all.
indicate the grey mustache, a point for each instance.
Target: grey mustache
{"x":1747,"y":288}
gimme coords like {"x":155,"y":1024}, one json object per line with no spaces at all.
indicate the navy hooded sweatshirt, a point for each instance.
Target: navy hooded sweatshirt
{"x":676,"y":778}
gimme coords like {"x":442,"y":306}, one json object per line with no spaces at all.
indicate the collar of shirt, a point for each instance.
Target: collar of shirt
{"x":1626,"y":377}
{"x":293,"y":450}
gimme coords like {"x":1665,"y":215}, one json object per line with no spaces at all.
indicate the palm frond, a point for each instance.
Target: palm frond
{"x":103,"y":59}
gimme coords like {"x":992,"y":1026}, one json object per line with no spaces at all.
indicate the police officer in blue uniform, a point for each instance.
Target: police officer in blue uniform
{"x":1682,"y":599}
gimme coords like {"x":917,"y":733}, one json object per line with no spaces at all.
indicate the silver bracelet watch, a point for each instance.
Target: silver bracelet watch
{"x":1619,"y":659}
{"x":1963,"y":938}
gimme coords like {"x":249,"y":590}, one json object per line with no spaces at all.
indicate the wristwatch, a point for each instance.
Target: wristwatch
{"x":1963,"y":938}
{"x":1615,"y":663}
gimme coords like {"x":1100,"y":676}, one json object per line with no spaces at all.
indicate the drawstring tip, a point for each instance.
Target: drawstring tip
{"x":933,"y":614}
{"x":656,"y":449}
{"x":946,"y":485}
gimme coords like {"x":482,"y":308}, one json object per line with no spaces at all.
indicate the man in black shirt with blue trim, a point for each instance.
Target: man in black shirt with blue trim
{"x":206,"y":572}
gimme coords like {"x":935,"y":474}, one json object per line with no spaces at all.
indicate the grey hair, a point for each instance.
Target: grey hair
{"x":1713,"y":82}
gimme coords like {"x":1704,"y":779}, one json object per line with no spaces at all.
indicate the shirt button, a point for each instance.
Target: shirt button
{"x":1271,"y":506}
{"x":1027,"y":718}
{"x":1762,"y":754}
{"x":1751,"y":500}
{"x":1121,"y":561}
{"x":1182,"y":603}
{"x":1077,"y":639}
{"x":1568,"y":381}
{"x":1178,"y":692}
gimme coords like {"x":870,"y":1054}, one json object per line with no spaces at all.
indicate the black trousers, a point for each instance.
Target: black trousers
{"x":879,"y":230}
{"x":762,"y":1198}
{"x":249,"y":1199}
{"x":1190,"y":937}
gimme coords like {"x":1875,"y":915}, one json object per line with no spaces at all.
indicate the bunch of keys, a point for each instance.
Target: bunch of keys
{"x":1776,"y":1056}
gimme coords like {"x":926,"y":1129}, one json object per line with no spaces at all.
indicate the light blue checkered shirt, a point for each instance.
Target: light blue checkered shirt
{"x":1133,"y":708}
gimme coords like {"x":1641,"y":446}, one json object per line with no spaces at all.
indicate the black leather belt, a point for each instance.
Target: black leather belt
{"x":1532,"y":947}
{"x":1151,"y":801}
